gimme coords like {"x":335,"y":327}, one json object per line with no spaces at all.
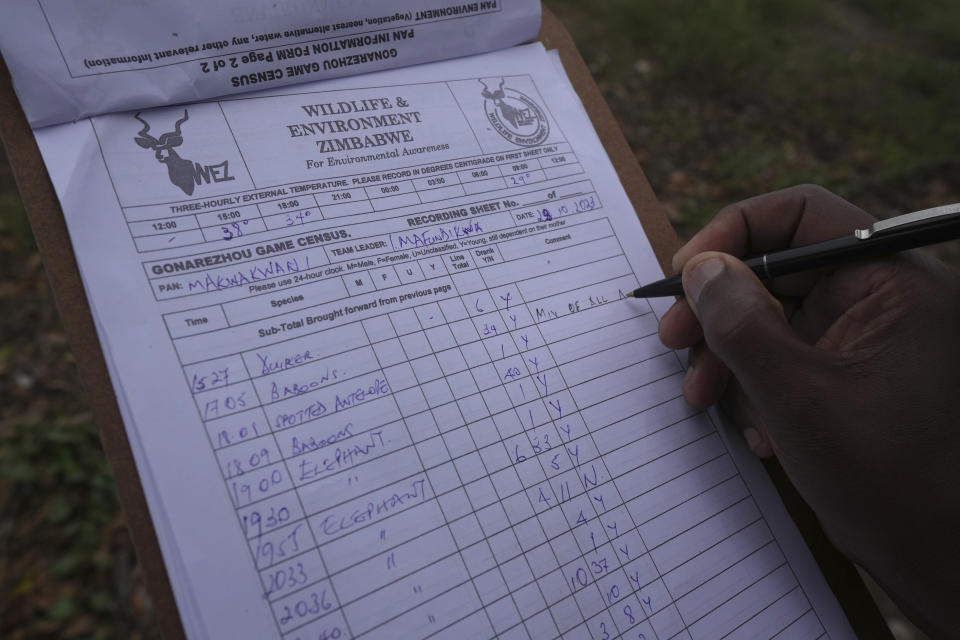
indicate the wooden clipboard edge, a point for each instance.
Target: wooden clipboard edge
{"x":840,"y":573}
{"x":655,"y":224}
{"x":50,"y":231}
{"x":53,"y":241}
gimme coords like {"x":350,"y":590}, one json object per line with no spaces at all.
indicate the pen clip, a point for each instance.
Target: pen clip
{"x":907,"y":218}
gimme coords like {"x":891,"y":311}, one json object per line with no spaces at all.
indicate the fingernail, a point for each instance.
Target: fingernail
{"x":699,"y":276}
{"x":675,"y":262}
{"x":753,"y":438}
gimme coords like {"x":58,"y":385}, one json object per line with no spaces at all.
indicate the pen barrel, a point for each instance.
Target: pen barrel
{"x":830,"y":252}
{"x":814,"y":256}
{"x":672,"y":286}
{"x":850,"y":248}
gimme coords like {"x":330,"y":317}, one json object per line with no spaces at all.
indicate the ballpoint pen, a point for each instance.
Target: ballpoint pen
{"x":899,"y":233}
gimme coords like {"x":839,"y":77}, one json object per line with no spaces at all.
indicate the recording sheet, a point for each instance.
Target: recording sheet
{"x":74,"y":59}
{"x":371,"y":347}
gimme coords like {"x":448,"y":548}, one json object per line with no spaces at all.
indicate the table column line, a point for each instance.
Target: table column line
{"x":488,"y":475}
{"x":599,"y":460}
{"x":422,"y":467}
{"x":622,"y":502}
{"x":546,"y":480}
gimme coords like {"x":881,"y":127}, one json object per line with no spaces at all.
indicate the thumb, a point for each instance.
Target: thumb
{"x":743,"y":324}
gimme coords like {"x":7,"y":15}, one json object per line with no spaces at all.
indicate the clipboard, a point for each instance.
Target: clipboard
{"x":50,"y":230}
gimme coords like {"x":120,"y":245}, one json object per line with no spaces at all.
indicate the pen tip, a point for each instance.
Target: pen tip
{"x":629,"y":294}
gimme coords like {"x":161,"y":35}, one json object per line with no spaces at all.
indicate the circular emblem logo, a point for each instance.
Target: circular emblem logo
{"x":515,"y":116}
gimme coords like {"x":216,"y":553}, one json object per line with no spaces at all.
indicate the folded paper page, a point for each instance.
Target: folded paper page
{"x":75,"y":59}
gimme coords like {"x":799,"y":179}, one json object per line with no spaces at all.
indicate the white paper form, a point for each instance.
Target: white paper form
{"x":387,"y":386}
{"x":75,"y":59}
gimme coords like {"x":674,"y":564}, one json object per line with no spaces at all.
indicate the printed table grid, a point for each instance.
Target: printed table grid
{"x":288,"y":211}
{"x":598,"y":621}
{"x":298,"y":263}
{"x":442,"y":273}
{"x":297,"y":210}
{"x":581,"y":551}
{"x":593,"y":505}
{"x":473,"y":507}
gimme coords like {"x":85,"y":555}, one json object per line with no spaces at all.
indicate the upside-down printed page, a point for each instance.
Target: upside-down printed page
{"x":70,"y":60}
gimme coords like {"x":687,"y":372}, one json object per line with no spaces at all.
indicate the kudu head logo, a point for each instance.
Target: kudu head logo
{"x":183,"y":173}
{"x":517,"y":117}
{"x":514,"y":115}
{"x":180,"y":170}
{"x":496,"y":96}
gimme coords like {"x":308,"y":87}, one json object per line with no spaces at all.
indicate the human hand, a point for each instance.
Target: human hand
{"x":854,"y":388}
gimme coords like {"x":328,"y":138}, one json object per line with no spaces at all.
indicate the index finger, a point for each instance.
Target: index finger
{"x":787,"y":218}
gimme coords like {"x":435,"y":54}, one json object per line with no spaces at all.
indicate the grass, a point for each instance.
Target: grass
{"x":67,"y":565}
{"x":723,"y":99}
{"x":67,"y":557}
{"x":720,"y":100}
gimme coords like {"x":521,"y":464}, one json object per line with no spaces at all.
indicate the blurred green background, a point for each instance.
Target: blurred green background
{"x":720,"y":100}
